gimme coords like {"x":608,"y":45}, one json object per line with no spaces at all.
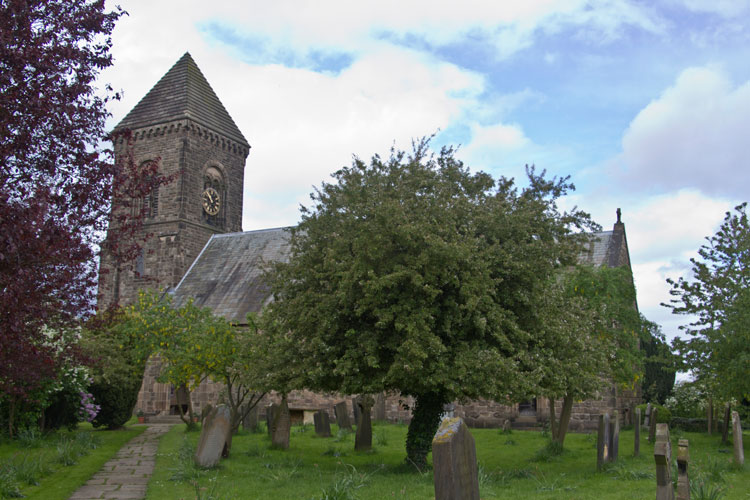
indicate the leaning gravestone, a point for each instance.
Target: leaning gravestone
{"x":601,"y":442}
{"x":213,"y":439}
{"x":250,"y":422}
{"x":614,"y":447}
{"x":322,"y":424}
{"x":652,"y":426}
{"x":663,"y":459}
{"x":637,"y":437}
{"x":739,"y":453}
{"x":454,"y":461}
{"x":683,"y":481}
{"x":282,"y":426}
{"x":363,"y":438}
{"x":206,"y":411}
{"x":647,"y":419}
{"x":342,"y":416}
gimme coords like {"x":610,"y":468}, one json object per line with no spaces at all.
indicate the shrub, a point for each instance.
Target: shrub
{"x":687,"y":400}
{"x":117,"y":401}
{"x":688,"y":424}
{"x":663,"y":415}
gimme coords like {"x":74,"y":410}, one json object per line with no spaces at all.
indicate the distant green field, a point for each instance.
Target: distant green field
{"x":511,"y":467}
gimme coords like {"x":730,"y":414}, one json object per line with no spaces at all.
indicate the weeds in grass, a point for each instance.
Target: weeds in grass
{"x":256,"y":451}
{"x":342,"y":436}
{"x":280,"y":473}
{"x":381,"y":438}
{"x":87,"y":441}
{"x":545,"y":483}
{"x":510,"y":442}
{"x":712,"y":470}
{"x":505,"y":476}
{"x":302,"y":429}
{"x":623,"y":472}
{"x":30,"y":438}
{"x":205,"y":492}
{"x":334,"y":452}
{"x":700,"y":490}
{"x":8,"y":481}
{"x":506,"y":431}
{"x":68,"y":451}
{"x":185,"y":469}
{"x":551,"y":451}
{"x":29,"y":469}
{"x":346,"y":484}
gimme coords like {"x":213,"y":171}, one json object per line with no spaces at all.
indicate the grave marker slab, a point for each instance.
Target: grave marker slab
{"x":637,"y":429}
{"x":506,"y":425}
{"x":725,"y":429}
{"x":739,"y":453}
{"x":454,"y":460}
{"x":652,"y":427}
{"x":342,"y":416}
{"x":647,"y":419}
{"x":379,"y":408}
{"x":270,"y":409}
{"x":601,"y":444}
{"x":355,"y":409}
{"x":250,"y":422}
{"x":614,"y":449}
{"x":683,"y":481}
{"x":663,"y":459}
{"x":213,"y":439}
{"x":363,"y":438}
{"x":322,"y":424}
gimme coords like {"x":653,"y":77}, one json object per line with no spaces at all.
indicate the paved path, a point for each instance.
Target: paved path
{"x":126,"y":475}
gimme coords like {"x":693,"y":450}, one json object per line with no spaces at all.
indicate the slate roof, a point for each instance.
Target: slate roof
{"x":227,"y":274}
{"x":597,"y":252}
{"x":183,"y":92}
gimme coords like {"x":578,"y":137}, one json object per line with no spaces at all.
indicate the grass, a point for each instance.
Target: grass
{"x":52,"y":467}
{"x":329,"y":468}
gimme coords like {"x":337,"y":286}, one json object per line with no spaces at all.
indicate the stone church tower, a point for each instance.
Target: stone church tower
{"x":182,"y":122}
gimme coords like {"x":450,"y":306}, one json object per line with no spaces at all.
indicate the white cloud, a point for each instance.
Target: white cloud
{"x":726,"y":8}
{"x":693,"y":135}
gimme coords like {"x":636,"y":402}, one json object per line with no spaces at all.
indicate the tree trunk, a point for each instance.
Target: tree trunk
{"x":422,"y":428}
{"x":562,"y":428}
{"x":552,"y":423}
{"x":710,"y":413}
{"x":188,"y":420}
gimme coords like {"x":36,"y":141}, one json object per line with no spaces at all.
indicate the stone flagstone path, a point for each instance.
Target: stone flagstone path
{"x":126,"y":475}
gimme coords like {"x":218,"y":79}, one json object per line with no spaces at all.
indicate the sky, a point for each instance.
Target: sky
{"x":645,"y":105}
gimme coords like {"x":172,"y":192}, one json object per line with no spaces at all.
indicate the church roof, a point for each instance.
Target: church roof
{"x":183,"y":92}
{"x":227,"y":275}
{"x":596,"y":252}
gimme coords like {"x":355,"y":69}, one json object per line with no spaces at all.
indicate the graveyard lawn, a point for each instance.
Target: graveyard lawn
{"x":511,"y":466}
{"x":61,"y":481}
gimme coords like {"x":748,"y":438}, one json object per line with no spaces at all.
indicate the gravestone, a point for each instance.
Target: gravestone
{"x":322,"y":424}
{"x":663,"y":459}
{"x":637,"y":429}
{"x":647,"y":419}
{"x":506,"y":426}
{"x":342,"y":416}
{"x":378,"y":411}
{"x":213,"y":439}
{"x":601,"y":442}
{"x":363,"y":438}
{"x":683,"y":481}
{"x":454,"y":461}
{"x":282,"y":425}
{"x":652,"y":426}
{"x":270,"y":409}
{"x":250,"y":422}
{"x":355,"y":409}
{"x":725,"y":429}
{"x":739,"y":453}
{"x":614,"y":447}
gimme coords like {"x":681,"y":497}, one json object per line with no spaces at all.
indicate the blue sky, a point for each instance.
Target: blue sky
{"x":646,"y":105}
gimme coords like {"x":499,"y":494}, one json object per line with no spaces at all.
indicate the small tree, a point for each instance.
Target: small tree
{"x":717,"y":347}
{"x":414,"y":275}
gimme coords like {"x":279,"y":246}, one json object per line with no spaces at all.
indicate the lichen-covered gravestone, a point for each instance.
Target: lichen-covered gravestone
{"x":282,"y":425}
{"x":602,"y":442}
{"x":614,"y":447}
{"x":355,"y":409}
{"x":322,"y":424}
{"x":637,"y":437}
{"x":342,"y":416}
{"x":454,"y":460}
{"x":652,"y":426}
{"x":250,"y":421}
{"x":663,"y":459}
{"x":647,"y":420}
{"x":270,"y":409}
{"x":378,"y":411}
{"x":683,"y":481}
{"x":363,"y":438}
{"x":739,"y":453}
{"x":213,"y":439}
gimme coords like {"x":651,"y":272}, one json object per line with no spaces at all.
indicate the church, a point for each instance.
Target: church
{"x":197,"y":248}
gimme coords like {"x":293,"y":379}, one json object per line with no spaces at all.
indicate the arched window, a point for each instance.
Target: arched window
{"x":214,"y":196}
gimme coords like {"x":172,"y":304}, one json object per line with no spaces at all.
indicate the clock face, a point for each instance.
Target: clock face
{"x":211,"y":201}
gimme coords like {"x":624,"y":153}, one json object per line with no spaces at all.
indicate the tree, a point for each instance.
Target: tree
{"x":591,"y":336}
{"x":659,"y":364}
{"x":717,"y":296}
{"x":414,"y":275}
{"x":55,"y":183}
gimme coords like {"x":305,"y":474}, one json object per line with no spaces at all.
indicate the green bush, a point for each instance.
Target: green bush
{"x":663,"y":415}
{"x":689,"y":424}
{"x":63,"y":410}
{"x":687,"y":400}
{"x":117,"y":401}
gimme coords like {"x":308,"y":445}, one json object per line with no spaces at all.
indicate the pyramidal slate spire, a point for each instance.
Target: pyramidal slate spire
{"x":183,"y":92}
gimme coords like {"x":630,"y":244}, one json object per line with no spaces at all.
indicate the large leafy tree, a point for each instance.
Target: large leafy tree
{"x":412,"y":274}
{"x":55,"y":185}
{"x":716,"y":296}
